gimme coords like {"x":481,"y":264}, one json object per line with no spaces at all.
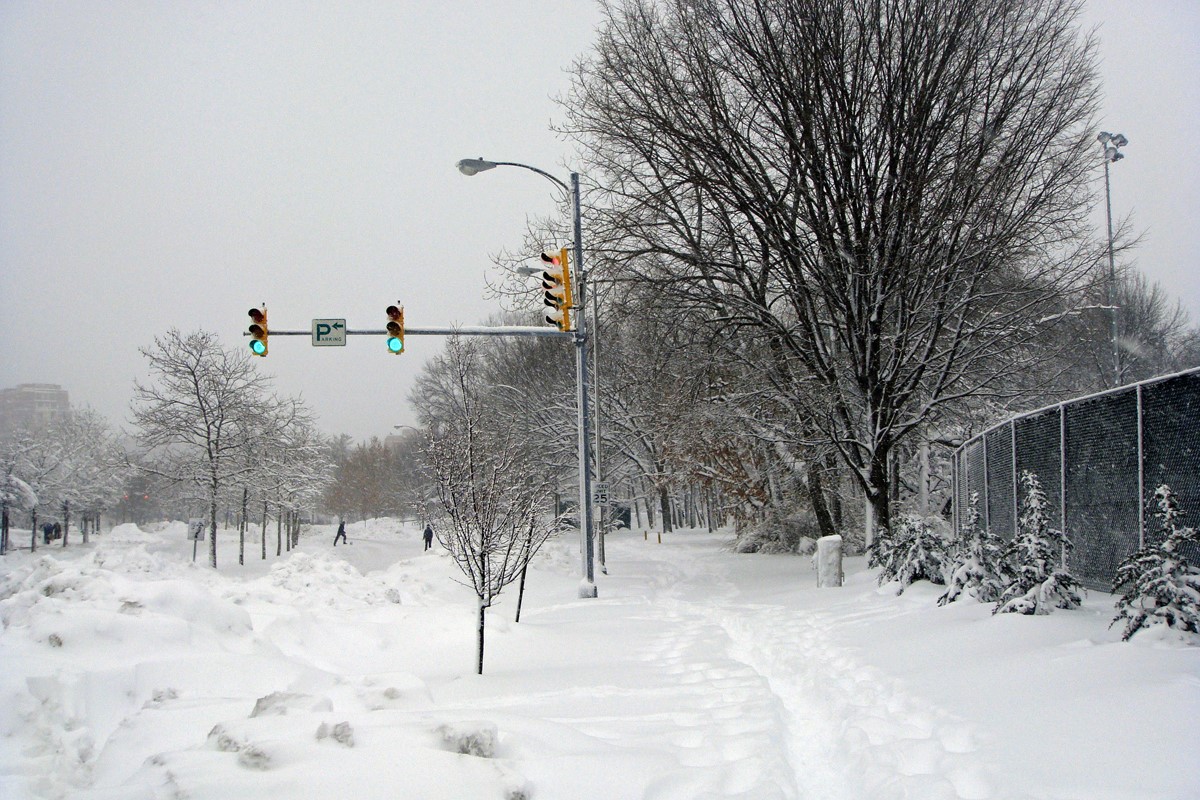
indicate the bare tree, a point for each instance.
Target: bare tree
{"x":205,"y":407}
{"x":887,"y":194}
{"x":491,"y":504}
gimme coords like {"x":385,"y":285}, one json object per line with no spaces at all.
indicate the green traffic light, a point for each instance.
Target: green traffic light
{"x":258,"y":347}
{"x":395,"y":344}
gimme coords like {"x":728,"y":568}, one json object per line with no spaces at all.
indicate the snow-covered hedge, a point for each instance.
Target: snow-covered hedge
{"x":975,"y":562}
{"x":910,"y":551}
{"x":1037,"y":579}
{"x":1161,"y":586}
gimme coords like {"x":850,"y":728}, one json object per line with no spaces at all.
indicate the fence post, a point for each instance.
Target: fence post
{"x":987,"y":516}
{"x":1062,"y":467}
{"x":954,"y":494}
{"x":1016,"y":501}
{"x":1141,"y":482}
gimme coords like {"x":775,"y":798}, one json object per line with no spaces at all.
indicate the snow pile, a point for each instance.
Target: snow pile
{"x":132,"y":673}
{"x":307,"y":579}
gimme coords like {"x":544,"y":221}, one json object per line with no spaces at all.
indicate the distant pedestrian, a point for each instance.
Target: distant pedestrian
{"x":428,"y":536}
{"x":341,"y":533}
{"x":57,"y":530}
{"x":47,"y":532}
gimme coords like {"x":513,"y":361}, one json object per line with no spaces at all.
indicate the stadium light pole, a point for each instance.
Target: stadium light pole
{"x":1111,"y":144}
{"x":587,"y":586}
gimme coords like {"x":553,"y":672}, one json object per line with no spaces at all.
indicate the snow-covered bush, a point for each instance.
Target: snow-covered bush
{"x":975,"y":561}
{"x":1037,"y":579}
{"x":470,"y":738}
{"x":1161,"y":585}
{"x":780,"y":530}
{"x":910,"y":551}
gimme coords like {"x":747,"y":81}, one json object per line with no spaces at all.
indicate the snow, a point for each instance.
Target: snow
{"x":130,"y":672}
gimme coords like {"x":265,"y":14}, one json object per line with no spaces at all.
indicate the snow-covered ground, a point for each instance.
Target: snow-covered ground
{"x":128,"y":672}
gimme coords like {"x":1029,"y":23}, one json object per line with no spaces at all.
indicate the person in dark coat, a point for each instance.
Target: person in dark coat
{"x":428,"y":536}
{"x":341,"y":533}
{"x":57,"y":530}
{"x":47,"y":532}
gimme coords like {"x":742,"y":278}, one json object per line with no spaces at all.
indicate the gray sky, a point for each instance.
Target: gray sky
{"x":171,"y":164}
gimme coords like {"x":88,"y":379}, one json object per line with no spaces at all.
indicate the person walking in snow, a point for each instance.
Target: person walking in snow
{"x":428,"y":536}
{"x":341,"y":533}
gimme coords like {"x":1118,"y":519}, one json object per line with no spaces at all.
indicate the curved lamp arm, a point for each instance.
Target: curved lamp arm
{"x":473,"y":166}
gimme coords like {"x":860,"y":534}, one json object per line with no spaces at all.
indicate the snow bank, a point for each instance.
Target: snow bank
{"x":348,"y":672}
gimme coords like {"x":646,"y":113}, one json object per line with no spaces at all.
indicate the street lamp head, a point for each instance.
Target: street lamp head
{"x":471,"y":166}
{"x":1110,"y":142}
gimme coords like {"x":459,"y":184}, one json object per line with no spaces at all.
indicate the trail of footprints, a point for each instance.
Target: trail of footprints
{"x":729,"y":726}
{"x":785,"y":712}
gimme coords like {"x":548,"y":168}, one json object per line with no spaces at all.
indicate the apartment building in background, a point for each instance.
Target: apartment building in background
{"x":31,"y":405}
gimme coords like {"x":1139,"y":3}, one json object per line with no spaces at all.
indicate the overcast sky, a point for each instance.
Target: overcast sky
{"x":174,"y":163}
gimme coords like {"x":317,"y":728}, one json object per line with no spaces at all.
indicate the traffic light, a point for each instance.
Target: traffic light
{"x":395,"y":329}
{"x":556,"y":281}
{"x":258,"y":331}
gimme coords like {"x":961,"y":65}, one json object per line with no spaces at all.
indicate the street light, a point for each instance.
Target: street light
{"x":1111,"y":143}
{"x":473,"y":166}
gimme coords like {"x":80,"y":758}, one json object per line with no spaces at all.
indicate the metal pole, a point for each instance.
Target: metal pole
{"x":587,"y":586}
{"x":471,"y":166}
{"x":1141,"y":488}
{"x":1062,"y":469}
{"x":601,"y":513}
{"x":1015,"y":482}
{"x":1112,"y":281}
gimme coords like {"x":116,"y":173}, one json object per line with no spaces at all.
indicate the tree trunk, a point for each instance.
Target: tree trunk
{"x":664,"y":501}
{"x":33,"y":531}
{"x":877,"y":500}
{"x":835,"y":497}
{"x":482,"y":611}
{"x":212,"y":539}
{"x":816,"y":495}
{"x":242,"y":527}
{"x":524,"y":569}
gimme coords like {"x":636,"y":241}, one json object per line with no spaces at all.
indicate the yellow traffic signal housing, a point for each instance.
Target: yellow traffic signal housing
{"x":556,"y":283}
{"x":395,"y":329}
{"x":258,"y":331}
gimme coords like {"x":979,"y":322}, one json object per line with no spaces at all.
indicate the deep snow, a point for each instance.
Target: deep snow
{"x":128,"y":672}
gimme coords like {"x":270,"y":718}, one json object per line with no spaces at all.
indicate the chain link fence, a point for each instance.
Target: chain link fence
{"x":1099,"y":459}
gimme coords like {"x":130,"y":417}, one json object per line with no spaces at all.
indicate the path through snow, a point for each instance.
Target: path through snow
{"x":329,"y":673}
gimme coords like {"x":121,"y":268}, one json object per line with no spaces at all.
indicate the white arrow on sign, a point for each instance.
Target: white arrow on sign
{"x":329,"y":333}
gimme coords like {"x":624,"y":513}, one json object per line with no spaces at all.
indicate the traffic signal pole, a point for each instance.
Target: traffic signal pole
{"x":587,"y":586}
{"x":465,"y":330}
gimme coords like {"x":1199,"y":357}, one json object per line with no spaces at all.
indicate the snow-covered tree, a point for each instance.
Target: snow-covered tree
{"x":975,"y":561}
{"x":93,"y":468}
{"x":1035,"y":562}
{"x":204,"y":409}
{"x":887,"y":196}
{"x":1161,"y":586}
{"x":491,"y":498}
{"x":909,"y":551}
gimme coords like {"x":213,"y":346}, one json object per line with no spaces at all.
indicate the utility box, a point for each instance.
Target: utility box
{"x":829,"y":561}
